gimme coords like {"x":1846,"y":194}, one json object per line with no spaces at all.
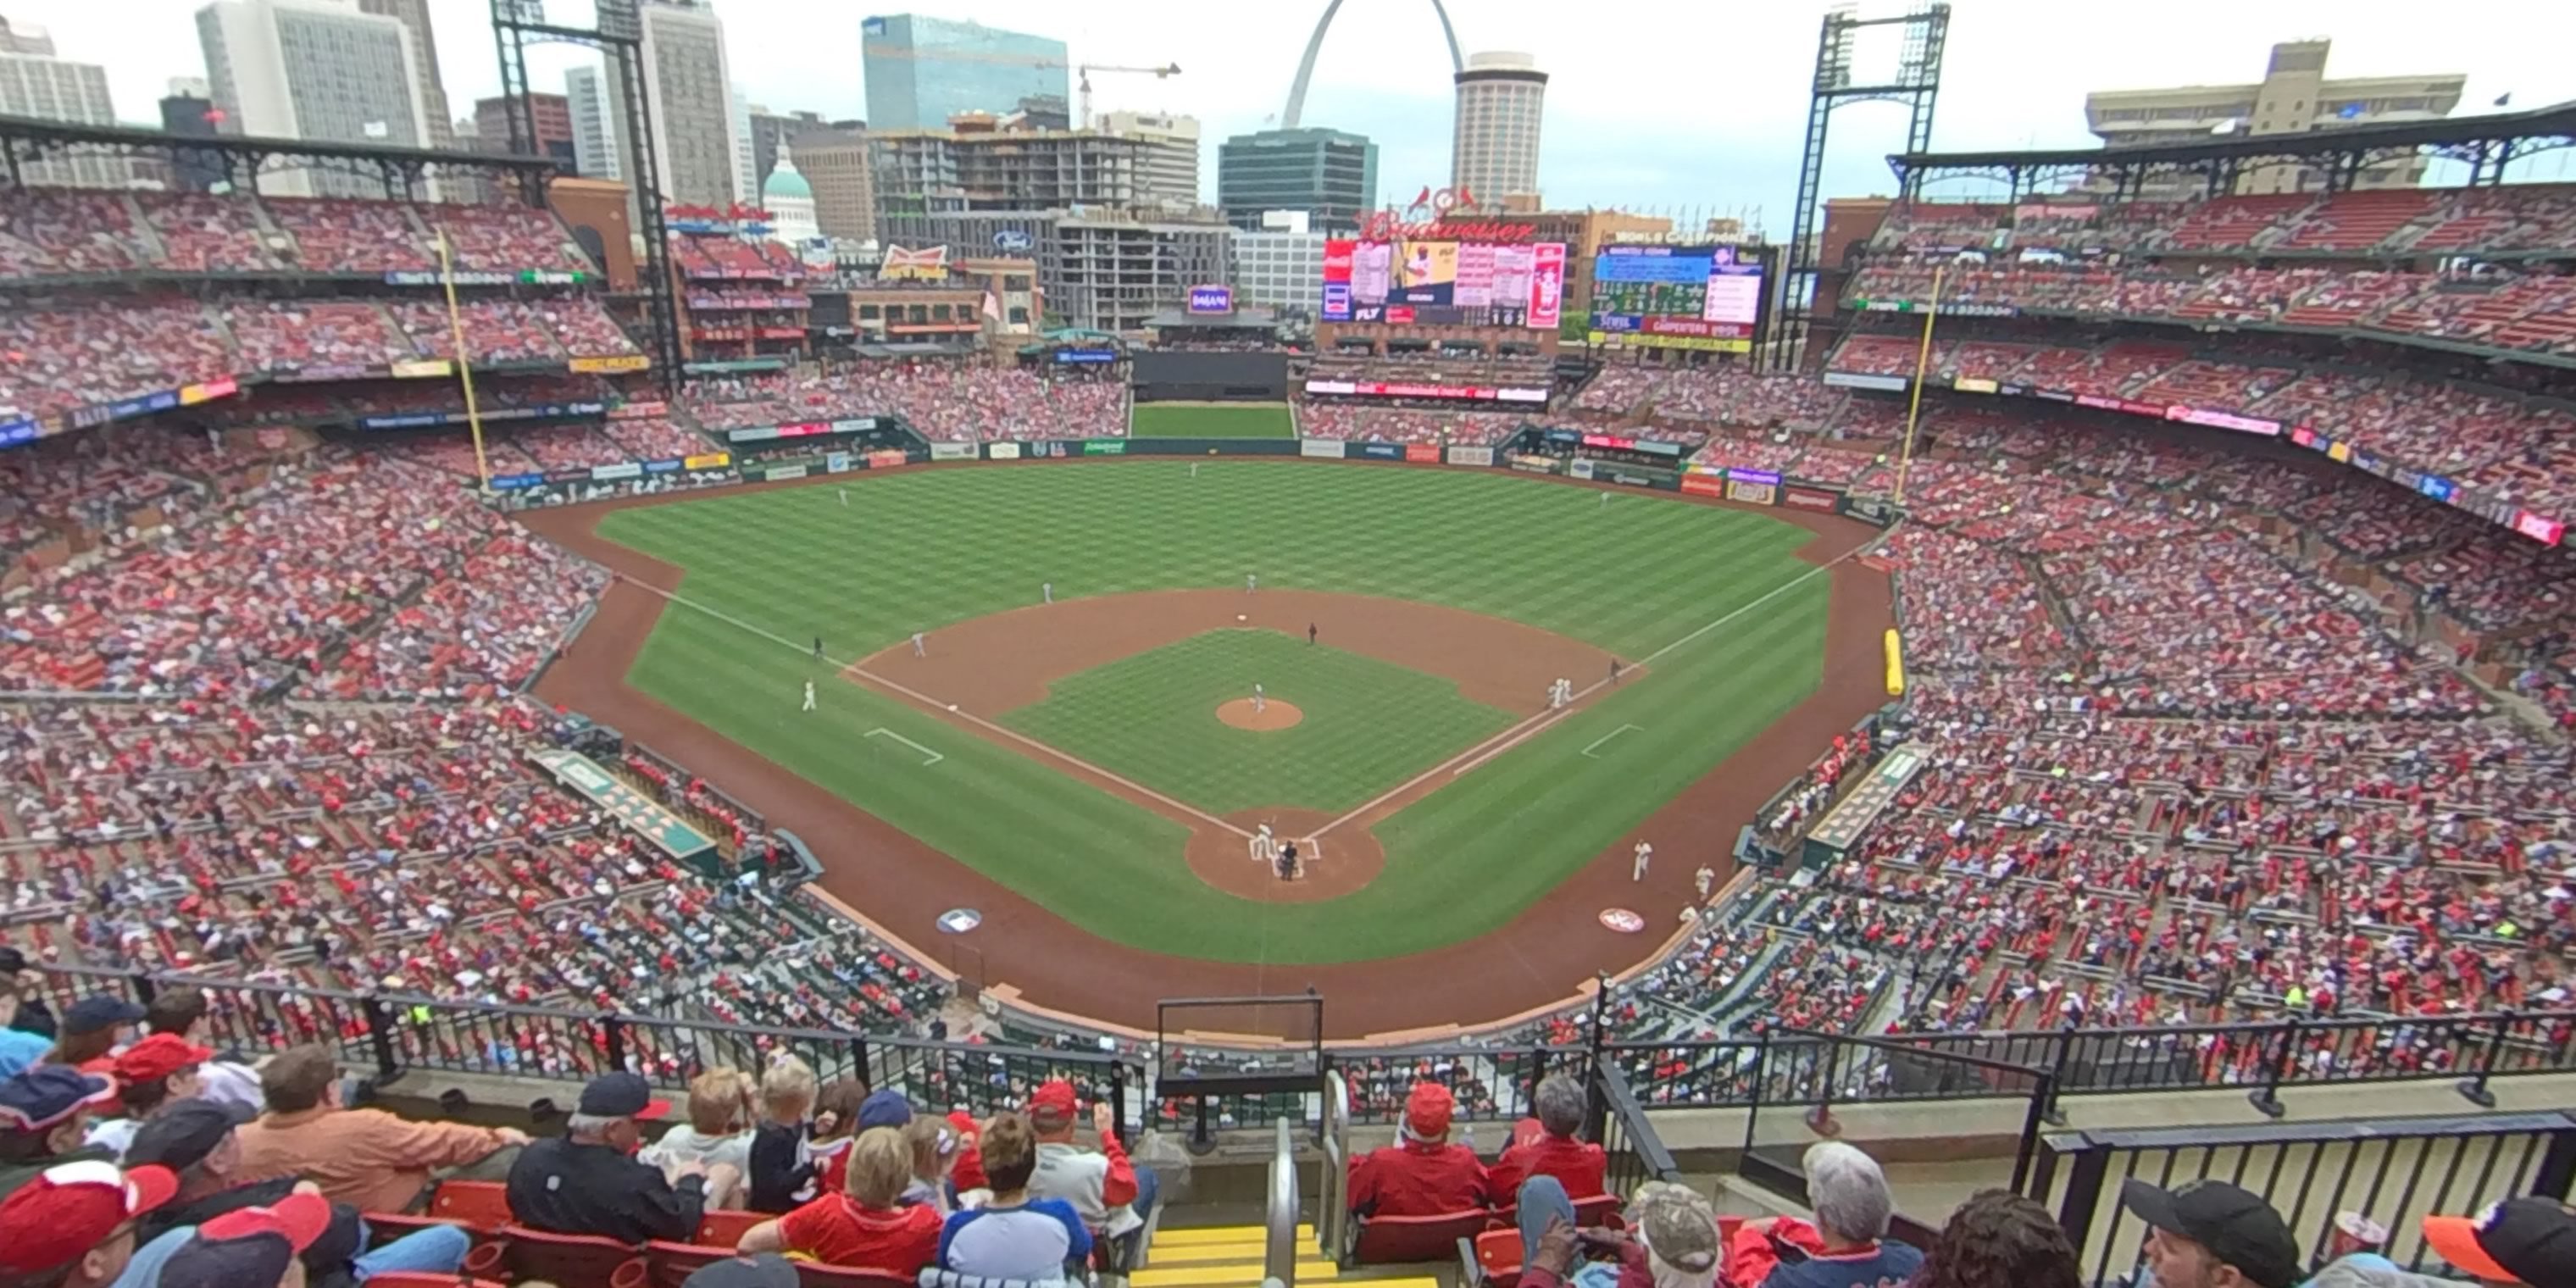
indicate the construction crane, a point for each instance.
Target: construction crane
{"x":1083,"y":70}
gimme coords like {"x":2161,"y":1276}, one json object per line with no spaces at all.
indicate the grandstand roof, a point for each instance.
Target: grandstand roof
{"x":15,"y":130}
{"x":2556,"y":121}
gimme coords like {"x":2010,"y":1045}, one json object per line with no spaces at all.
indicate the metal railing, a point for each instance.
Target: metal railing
{"x":1636,"y":1153}
{"x":1279,"y":1232}
{"x":2393,"y":1172}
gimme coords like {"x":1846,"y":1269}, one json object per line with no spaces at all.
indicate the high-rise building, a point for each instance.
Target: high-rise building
{"x":1329,"y":174}
{"x":188,"y":112}
{"x":25,"y":38}
{"x":321,"y":70}
{"x":1281,"y":266}
{"x":690,"y":94}
{"x":1112,"y":274}
{"x":2294,"y":97}
{"x":414,"y":16}
{"x":1171,"y":171}
{"x":981,"y":166}
{"x":598,"y":122}
{"x":55,"y":89}
{"x":921,"y":71}
{"x":835,"y":163}
{"x":550,"y":115}
{"x":1493,"y":153}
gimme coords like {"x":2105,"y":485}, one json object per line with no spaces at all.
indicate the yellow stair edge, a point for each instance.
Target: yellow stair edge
{"x":1201,"y":1254}
{"x":1227,"y":1276}
{"x":1171,"y":1238}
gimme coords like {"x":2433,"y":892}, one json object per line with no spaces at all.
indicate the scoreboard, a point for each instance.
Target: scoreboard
{"x":1414,"y":282}
{"x":1678,"y":297}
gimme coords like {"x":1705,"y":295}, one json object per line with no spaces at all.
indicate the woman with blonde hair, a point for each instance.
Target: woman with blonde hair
{"x":934,"y":1143}
{"x":867,"y":1225}
{"x":779,"y":1162}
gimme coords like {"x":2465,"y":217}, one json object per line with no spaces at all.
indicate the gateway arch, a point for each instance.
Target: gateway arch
{"x":1306,"y":65}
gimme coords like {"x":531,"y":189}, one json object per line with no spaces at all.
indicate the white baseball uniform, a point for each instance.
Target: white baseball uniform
{"x":917,"y":649}
{"x":809,"y":695}
{"x":1645,"y":855}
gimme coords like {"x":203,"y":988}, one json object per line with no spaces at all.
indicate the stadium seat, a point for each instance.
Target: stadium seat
{"x":1384,"y":1240}
{"x":569,"y":1259}
{"x":476,"y":1205}
{"x":674,"y":1262}
{"x":723,"y":1228}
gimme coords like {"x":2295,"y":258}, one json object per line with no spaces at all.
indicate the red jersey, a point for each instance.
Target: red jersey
{"x":1415,"y":1179}
{"x":836,"y":1231}
{"x":1576,"y":1165}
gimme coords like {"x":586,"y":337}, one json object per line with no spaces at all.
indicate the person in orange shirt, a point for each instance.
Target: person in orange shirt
{"x":366,"y":1158}
{"x":1552,"y":1150}
{"x":1422,"y":1174}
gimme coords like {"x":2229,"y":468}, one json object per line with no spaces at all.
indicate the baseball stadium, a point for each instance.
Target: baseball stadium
{"x":2025,"y":726}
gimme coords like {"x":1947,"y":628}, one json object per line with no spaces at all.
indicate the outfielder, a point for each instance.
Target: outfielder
{"x":845,"y":498}
{"x":1046,"y":592}
{"x":1645,"y":855}
{"x":1259,"y":702}
{"x":1251,"y":583}
{"x":809,"y":695}
{"x":1605,"y":500}
{"x":917,"y":649}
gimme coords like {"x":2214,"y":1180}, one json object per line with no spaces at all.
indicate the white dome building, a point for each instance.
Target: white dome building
{"x":790,"y":203}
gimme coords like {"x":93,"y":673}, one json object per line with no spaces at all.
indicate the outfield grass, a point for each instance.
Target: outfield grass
{"x":1152,"y":718}
{"x":1211,"y":420}
{"x":920,"y":549}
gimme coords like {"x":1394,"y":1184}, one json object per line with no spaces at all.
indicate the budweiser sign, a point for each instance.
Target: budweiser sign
{"x":1385,"y":225}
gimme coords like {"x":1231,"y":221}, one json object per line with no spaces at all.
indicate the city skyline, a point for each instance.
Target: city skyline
{"x":1725,"y":140}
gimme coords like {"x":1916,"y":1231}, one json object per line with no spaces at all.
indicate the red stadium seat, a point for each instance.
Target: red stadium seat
{"x":476,"y":1205}
{"x":675,"y":1262}
{"x":1383,"y":1240}
{"x":570,"y":1259}
{"x":723,"y":1228}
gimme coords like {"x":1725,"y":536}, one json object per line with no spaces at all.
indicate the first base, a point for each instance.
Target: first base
{"x":1241,"y":618}
{"x":952,"y":706}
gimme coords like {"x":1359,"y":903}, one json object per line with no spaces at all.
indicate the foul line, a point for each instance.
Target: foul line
{"x":1596,"y":743}
{"x":1531,"y":726}
{"x":941,"y":708}
{"x":882,"y":732}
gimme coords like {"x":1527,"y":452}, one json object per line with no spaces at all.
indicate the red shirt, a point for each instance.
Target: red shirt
{"x":1576,"y":1165}
{"x":1415,"y":1179}
{"x":836,"y":1231}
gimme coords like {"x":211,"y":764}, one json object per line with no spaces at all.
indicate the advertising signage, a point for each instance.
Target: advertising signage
{"x":1699,"y":297}
{"x":1444,"y":283}
{"x":1211,"y":299}
{"x":1407,"y":389}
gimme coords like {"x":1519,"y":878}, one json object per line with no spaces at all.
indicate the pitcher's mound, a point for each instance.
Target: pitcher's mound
{"x":1274,"y":714}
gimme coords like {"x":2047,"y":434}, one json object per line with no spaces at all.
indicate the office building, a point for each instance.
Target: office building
{"x":598,"y":122}
{"x":920,"y":71}
{"x":1493,"y":150}
{"x":25,"y":38}
{"x":414,"y":16}
{"x":690,"y":94}
{"x":835,"y":164}
{"x":55,"y":89}
{"x":1170,"y":176}
{"x":2294,"y":97}
{"x":979,"y":165}
{"x":188,"y":112}
{"x":1043,"y":112}
{"x":1331,"y":175}
{"x":1112,"y":274}
{"x":550,"y":115}
{"x":1280,"y":267}
{"x":769,"y":129}
{"x":320,"y":70}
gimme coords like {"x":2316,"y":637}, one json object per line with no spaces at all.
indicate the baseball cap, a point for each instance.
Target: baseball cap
{"x":248,"y":1247}
{"x":1053,"y":1102}
{"x":158,"y":1056}
{"x":621,"y":1095}
{"x":1680,"y":1226}
{"x":46,"y":1094}
{"x":885,"y":1108}
{"x":759,"y":1270}
{"x":1427,"y":1110}
{"x":12,"y":960}
{"x":71,"y":1208}
{"x":969,"y":1172}
{"x":99,"y":1011}
{"x":2522,"y":1241}
{"x":185,"y":1132}
{"x":2236,"y":1225}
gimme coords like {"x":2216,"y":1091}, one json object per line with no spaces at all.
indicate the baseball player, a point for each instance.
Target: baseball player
{"x":1310,"y":634}
{"x":1194,"y":469}
{"x":1605,"y":500}
{"x":818,"y":648}
{"x":1251,"y":583}
{"x":1704,"y":880}
{"x":1645,"y":855}
{"x":1046,"y":592}
{"x":845,"y":498}
{"x":1259,"y":703}
{"x":809,"y":695}
{"x":917,"y":649}
{"x":1614,"y":670}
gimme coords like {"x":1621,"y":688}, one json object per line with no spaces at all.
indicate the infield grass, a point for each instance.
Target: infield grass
{"x":1152,"y":718}
{"x":919,"y":549}
{"x":1211,"y":420}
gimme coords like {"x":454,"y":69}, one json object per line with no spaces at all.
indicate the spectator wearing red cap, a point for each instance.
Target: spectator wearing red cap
{"x":74,"y":1225}
{"x":180,"y":1011}
{"x":1553,"y":1150}
{"x":152,"y":1074}
{"x":1112,"y":1195}
{"x":1422,"y":1174}
{"x":44,"y":1116}
{"x":968,"y":1174}
{"x":253,"y":1247}
{"x":366,"y":1158}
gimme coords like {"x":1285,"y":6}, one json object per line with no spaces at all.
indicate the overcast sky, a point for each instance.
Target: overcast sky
{"x":1697,"y":104}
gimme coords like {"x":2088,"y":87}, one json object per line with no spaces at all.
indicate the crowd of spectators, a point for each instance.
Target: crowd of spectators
{"x":69,"y":232}
{"x":1362,"y":423}
{"x":943,"y":401}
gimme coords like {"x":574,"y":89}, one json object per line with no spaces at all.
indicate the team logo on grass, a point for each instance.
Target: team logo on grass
{"x":1622,"y":920}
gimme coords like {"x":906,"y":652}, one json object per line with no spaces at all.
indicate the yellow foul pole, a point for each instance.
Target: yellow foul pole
{"x":1914,"y":405}
{"x":464,"y":366}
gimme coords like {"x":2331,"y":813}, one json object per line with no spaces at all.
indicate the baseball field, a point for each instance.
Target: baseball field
{"x":1210,"y":420}
{"x":1097,"y":757}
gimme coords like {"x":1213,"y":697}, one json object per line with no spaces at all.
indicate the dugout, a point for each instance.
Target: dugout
{"x":1189,"y":375}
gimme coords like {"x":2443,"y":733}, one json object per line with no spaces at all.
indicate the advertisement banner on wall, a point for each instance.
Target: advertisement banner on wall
{"x":1422,"y":453}
{"x":1104,"y":447}
{"x":710,"y":461}
{"x":639,"y":410}
{"x":1862,"y":380}
{"x":612,"y":473}
{"x":427,"y":369}
{"x":515,"y":482}
{"x":1752,"y":493}
{"x":16,"y":430}
{"x":1471,"y":456}
{"x":885,"y":460}
{"x":1580,"y":467}
{"x":1972,"y":385}
{"x":952,"y":451}
{"x":1703,"y":485}
{"x":611,"y":364}
{"x":836,"y":462}
{"x":1807,"y":498}
{"x":1329,"y":449}
{"x":671,"y":466}
{"x":854,"y":425}
{"x":1380,"y":451}
{"x":2548,"y":532}
{"x":191,"y":395}
{"x":779,"y":473}
{"x":1002,"y":451}
{"x":1534,"y":464}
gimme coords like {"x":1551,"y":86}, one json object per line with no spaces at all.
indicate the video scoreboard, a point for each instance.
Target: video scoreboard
{"x":1411,"y":282}
{"x":1678,"y":297}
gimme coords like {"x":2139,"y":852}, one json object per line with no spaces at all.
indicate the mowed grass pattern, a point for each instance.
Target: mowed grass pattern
{"x":1152,"y":718}
{"x":1211,"y":420}
{"x":919,"y":549}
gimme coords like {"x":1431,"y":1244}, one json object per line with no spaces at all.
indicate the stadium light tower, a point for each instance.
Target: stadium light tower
{"x":1916,"y":84}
